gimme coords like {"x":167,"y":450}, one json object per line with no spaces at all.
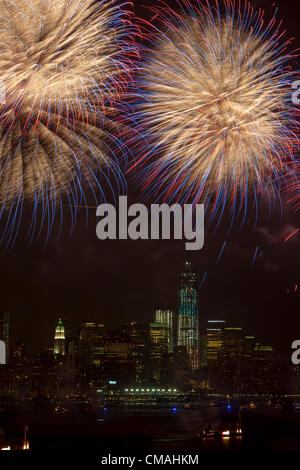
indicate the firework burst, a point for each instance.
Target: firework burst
{"x":293,"y":188}
{"x":216,"y":107}
{"x":64,"y":65}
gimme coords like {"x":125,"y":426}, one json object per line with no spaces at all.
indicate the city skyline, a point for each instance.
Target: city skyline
{"x":162,"y":328}
{"x":142,"y":291}
{"x":98,"y":360}
{"x":171,"y":302}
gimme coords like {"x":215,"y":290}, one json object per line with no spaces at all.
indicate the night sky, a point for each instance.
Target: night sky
{"x":84,"y":279}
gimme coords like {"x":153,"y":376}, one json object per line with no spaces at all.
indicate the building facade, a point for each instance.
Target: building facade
{"x":188,"y":316}
{"x":59,"y":339}
{"x":166,"y":319}
{"x":91,"y":344}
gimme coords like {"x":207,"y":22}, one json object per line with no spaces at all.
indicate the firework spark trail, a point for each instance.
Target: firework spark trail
{"x":64,"y":65}
{"x":293,"y":188}
{"x":221,"y":252}
{"x":291,"y":235}
{"x":260,"y":254}
{"x":203,"y":280}
{"x":254,"y":256}
{"x":216,"y":107}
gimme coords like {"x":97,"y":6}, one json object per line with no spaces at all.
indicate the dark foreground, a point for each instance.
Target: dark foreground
{"x":156,"y":429}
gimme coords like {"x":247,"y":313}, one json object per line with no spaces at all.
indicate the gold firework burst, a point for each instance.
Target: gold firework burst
{"x":218,"y":104}
{"x":63,"y":66}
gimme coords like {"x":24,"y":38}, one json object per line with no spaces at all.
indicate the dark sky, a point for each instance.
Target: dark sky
{"x":82,"y":278}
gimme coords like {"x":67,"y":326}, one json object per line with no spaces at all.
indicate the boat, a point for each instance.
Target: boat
{"x":212,"y":434}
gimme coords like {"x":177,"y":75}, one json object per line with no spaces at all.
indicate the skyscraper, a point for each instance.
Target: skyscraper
{"x":119,"y":365}
{"x":188,"y":315}
{"x":91,"y":344}
{"x":214,"y":342}
{"x":158,"y":348}
{"x":59,"y":339}
{"x":4,"y":331}
{"x":139,"y":336}
{"x":233,"y":346}
{"x":165,"y":318}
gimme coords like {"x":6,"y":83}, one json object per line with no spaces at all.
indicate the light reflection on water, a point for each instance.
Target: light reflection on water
{"x":159,"y":428}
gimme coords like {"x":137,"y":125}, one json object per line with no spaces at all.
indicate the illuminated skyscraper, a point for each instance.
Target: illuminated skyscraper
{"x":4,"y":331}
{"x":59,"y":339}
{"x":165,"y":318}
{"x":214,"y":342}
{"x":188,"y":316}
{"x":234,"y":344}
{"x":139,"y":336}
{"x":91,"y":344}
{"x":158,"y":349}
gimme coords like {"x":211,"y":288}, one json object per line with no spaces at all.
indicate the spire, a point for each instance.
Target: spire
{"x":188,"y":278}
{"x":188,"y":266}
{"x":59,"y":330}
{"x":59,"y":338}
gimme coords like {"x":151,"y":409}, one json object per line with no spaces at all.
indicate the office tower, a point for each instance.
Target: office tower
{"x":72,"y":354}
{"x":91,"y":344}
{"x":165,"y":318}
{"x":59,"y":339}
{"x":179,"y":368}
{"x":118,"y":361}
{"x":249,"y":347}
{"x":236,"y":360}
{"x":234,"y":344}
{"x":214,"y":340}
{"x":158,"y":350}
{"x":18,"y":352}
{"x":243,"y":348}
{"x":4,"y":332}
{"x":139,"y":337}
{"x":188,"y":316}
{"x":263,"y":353}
